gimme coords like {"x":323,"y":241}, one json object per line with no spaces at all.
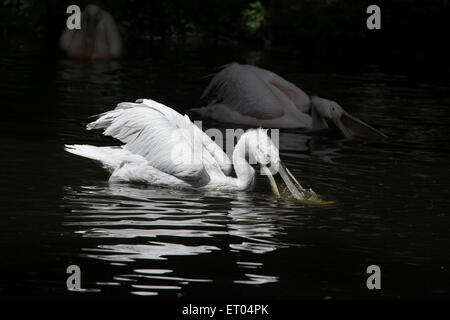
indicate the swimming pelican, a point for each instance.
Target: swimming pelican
{"x":245,"y":94}
{"x":98,"y":38}
{"x":163,"y":147}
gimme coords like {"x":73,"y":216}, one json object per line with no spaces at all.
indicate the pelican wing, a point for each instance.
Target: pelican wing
{"x":255,"y":92}
{"x":169,"y":141}
{"x":296,"y":95}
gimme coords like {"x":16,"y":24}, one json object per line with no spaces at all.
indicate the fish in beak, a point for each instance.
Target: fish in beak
{"x":291,"y":183}
{"x":294,"y":189}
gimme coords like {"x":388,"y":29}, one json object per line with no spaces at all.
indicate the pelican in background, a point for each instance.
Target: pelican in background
{"x":98,"y":38}
{"x":248,"y":95}
{"x":162,"y":147}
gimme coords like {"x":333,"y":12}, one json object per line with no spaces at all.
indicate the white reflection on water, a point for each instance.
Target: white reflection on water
{"x":131,"y":224}
{"x":257,"y":279}
{"x":126,"y":212}
{"x":153,"y":251}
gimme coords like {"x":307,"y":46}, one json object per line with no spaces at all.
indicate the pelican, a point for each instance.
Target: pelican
{"x":98,"y":38}
{"x":162,"y":147}
{"x":248,"y":95}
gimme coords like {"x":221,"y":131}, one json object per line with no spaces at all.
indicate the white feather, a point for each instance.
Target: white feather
{"x":152,"y":133}
{"x":169,"y":141}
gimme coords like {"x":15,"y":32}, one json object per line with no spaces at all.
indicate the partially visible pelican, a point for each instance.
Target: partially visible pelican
{"x":98,"y":38}
{"x":162,"y":147}
{"x":245,"y":94}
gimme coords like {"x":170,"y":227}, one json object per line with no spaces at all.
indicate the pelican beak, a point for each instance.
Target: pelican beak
{"x":272,"y":182}
{"x":351,"y":126}
{"x":288,"y":179}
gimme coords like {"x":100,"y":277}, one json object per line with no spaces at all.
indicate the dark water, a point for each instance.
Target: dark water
{"x":391,"y":198}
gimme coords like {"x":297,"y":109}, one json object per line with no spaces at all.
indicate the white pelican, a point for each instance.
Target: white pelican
{"x":98,"y":38}
{"x":248,"y":95}
{"x":162,"y":147}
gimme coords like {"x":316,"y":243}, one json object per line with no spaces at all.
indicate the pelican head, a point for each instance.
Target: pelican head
{"x":261,"y":148}
{"x":262,"y":151}
{"x":324,"y":110}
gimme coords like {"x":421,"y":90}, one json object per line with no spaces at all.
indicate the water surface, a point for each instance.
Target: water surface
{"x":391,"y":198}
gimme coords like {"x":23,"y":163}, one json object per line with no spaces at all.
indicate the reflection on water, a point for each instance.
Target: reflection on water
{"x":158,"y":224}
{"x":89,"y":72}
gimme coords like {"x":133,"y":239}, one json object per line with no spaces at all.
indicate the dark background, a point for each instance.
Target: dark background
{"x":411,"y":30}
{"x":393,"y":194}
{"x":323,"y":35}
